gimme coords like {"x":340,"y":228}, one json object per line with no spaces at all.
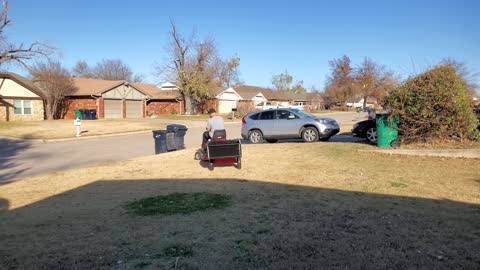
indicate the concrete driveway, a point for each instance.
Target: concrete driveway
{"x":21,"y":158}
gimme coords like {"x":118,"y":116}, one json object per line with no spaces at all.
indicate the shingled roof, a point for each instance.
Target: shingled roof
{"x":249,"y":92}
{"x":22,"y":81}
{"x":88,"y":87}
{"x":217,"y":90}
{"x":156,"y":93}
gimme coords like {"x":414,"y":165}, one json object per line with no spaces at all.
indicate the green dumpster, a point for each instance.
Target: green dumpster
{"x":387,"y":132}
{"x":78,"y":114}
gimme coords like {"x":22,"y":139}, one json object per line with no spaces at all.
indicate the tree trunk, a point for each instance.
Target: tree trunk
{"x":365,"y":102}
{"x":47,"y":110}
{"x":188,"y":104}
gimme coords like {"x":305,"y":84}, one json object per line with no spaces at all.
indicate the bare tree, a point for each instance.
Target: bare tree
{"x":373,"y":80}
{"x":55,"y":82}
{"x":138,"y":78}
{"x":82,"y":70}
{"x":112,"y":69}
{"x":107,"y":69}
{"x":18,"y":54}
{"x":192,"y":64}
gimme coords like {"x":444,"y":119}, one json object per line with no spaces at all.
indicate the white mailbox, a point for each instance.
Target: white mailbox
{"x":77,"y":123}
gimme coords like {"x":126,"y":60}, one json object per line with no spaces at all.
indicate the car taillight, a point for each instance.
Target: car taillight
{"x":243,"y":120}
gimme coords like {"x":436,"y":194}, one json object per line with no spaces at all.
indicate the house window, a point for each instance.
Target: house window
{"x":22,"y":107}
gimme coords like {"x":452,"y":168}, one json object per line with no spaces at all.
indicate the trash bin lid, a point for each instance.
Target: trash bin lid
{"x":175,"y":127}
{"x":160,"y":131}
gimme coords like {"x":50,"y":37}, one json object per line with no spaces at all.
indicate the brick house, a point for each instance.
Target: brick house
{"x":20,"y":99}
{"x":162,"y":100}
{"x":111,"y":99}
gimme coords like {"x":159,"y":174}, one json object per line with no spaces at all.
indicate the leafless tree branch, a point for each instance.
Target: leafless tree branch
{"x":19,"y":54}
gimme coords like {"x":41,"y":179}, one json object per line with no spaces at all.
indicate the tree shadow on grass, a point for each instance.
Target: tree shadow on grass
{"x":9,"y":149}
{"x":339,"y":138}
{"x":267,"y":226}
{"x":4,"y":204}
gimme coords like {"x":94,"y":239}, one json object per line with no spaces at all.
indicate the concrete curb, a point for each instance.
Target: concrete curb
{"x":448,"y":153}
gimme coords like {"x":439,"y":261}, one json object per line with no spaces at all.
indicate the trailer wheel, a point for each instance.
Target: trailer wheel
{"x":210,"y":166}
{"x":239,"y":163}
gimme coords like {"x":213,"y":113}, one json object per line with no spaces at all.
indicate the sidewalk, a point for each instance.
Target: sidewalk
{"x":450,"y":153}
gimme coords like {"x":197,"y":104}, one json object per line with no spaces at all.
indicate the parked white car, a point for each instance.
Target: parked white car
{"x":355,"y":104}
{"x":265,"y":105}
{"x":297,"y":105}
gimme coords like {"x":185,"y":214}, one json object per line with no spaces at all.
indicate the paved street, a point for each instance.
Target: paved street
{"x":20,"y":158}
{"x":25,"y":158}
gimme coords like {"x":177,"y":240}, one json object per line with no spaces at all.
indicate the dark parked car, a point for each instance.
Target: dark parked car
{"x":366,"y":129}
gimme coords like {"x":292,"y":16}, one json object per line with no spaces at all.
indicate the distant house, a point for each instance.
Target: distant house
{"x":110,"y":99}
{"x":20,"y":99}
{"x":162,"y":100}
{"x":315,"y":101}
{"x":168,"y":86}
{"x":278,"y":98}
{"x":253,"y":93}
{"x":226,"y":98}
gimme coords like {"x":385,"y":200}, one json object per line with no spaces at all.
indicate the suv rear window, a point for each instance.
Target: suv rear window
{"x":267,"y":115}
{"x":254,"y":116}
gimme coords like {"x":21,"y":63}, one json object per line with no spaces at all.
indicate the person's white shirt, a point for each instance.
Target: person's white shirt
{"x":215,"y":123}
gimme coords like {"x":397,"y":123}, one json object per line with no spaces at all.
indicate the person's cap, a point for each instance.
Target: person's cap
{"x":211,"y":111}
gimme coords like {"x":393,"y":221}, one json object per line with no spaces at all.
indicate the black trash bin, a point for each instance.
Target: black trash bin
{"x":85,"y":114}
{"x":164,"y":141}
{"x":82,"y":112}
{"x":180,"y":131}
{"x":93,"y":114}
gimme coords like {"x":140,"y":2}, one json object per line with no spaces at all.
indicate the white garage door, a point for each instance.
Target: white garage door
{"x":226,"y":106}
{"x":134,"y":108}
{"x":113,"y":108}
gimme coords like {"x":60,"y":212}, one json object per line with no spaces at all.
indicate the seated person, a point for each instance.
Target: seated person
{"x":214,"y":123}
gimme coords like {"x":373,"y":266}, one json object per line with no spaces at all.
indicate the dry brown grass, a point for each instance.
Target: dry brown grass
{"x":294,"y":206}
{"x":55,"y":129}
{"x":467,"y":144}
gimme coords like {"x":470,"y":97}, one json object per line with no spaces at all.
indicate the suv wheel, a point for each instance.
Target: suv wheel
{"x":255,"y":136}
{"x":310,"y":134}
{"x":371,"y":135}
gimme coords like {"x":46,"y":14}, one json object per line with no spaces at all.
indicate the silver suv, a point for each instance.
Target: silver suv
{"x":275,"y":124}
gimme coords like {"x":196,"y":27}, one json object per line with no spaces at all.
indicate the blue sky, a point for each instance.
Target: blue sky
{"x":268,"y":36}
